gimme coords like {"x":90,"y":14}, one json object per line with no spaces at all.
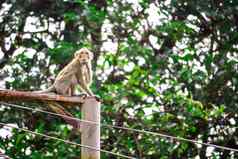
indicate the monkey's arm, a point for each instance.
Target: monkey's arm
{"x":88,"y":74}
{"x":84,"y":87}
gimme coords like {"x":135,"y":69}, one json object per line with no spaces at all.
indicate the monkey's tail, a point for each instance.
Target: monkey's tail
{"x":66,"y":115}
{"x":48,"y":90}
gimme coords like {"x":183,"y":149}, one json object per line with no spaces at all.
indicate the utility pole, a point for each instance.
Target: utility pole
{"x":90,"y":132}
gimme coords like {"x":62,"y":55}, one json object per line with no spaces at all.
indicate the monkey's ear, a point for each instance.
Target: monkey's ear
{"x":76,"y":54}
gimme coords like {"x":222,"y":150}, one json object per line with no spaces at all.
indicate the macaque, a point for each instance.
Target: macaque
{"x":77,"y":73}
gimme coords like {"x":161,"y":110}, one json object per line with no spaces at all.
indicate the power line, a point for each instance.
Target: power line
{"x":67,"y":141}
{"x":125,"y":128}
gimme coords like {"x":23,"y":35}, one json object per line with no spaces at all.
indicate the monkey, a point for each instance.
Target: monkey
{"x":77,"y":73}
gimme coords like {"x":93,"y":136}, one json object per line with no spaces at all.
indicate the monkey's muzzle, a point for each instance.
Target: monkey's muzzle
{"x":84,"y":61}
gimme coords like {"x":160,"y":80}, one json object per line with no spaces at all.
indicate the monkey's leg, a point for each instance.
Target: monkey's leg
{"x":89,"y":92}
{"x":71,"y":90}
{"x":83,"y":91}
{"x":85,"y":88}
{"x":74,"y":82}
{"x":60,"y":110}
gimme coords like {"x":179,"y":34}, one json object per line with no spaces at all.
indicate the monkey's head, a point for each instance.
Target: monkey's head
{"x":83,"y":55}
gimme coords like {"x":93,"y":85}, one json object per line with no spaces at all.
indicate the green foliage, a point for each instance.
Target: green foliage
{"x":70,"y":16}
{"x":95,"y":15}
{"x":176,"y":29}
{"x":62,"y":52}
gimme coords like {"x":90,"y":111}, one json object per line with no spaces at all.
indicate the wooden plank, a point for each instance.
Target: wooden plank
{"x":12,"y":95}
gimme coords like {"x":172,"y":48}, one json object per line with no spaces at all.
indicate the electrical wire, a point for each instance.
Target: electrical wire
{"x":67,"y":141}
{"x":125,"y":128}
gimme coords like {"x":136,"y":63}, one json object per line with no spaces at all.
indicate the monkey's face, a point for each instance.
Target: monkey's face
{"x":83,"y":55}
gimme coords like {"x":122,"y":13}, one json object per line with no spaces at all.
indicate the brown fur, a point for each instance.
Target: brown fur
{"x":77,"y":73}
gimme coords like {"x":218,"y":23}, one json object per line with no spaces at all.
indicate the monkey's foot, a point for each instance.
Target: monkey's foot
{"x":84,"y":95}
{"x":96,"y":97}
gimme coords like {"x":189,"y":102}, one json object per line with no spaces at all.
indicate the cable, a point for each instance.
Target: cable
{"x":126,"y":128}
{"x":67,"y":141}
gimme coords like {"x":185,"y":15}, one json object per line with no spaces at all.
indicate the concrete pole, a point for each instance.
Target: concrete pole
{"x":90,"y":133}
